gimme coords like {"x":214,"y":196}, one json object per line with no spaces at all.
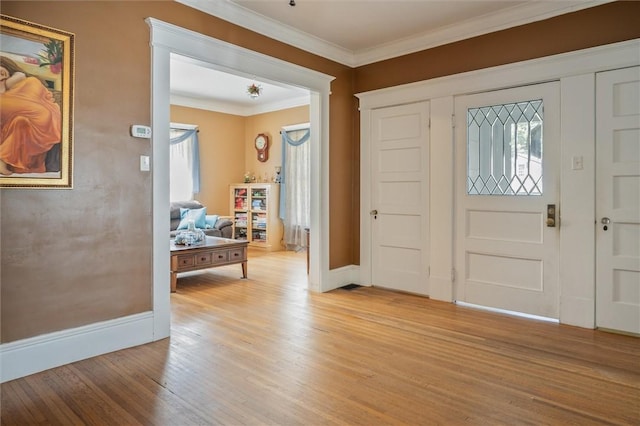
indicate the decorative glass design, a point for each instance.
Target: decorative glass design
{"x":504,"y":149}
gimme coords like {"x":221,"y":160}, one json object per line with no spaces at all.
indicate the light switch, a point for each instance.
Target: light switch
{"x":577,"y":162}
{"x":144,"y":163}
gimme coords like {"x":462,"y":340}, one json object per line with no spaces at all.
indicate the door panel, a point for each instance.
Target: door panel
{"x":400,"y":194}
{"x":504,"y":226}
{"x":618,"y":200}
{"x":507,"y":149}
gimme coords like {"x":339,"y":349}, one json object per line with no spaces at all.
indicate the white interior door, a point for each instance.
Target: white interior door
{"x":400,"y":196}
{"x":618,"y":200}
{"x":507,"y":168}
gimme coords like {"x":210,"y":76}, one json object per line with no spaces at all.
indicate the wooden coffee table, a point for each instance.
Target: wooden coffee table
{"x":213,"y":253}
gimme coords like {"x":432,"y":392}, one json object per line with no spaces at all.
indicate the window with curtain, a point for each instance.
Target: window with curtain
{"x":184,"y":163}
{"x":295,"y":199}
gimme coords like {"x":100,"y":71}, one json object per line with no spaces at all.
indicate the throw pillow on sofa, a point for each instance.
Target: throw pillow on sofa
{"x":210,"y":220}
{"x":198,"y":216}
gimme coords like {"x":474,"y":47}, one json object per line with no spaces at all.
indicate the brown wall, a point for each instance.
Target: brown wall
{"x":269,"y":124}
{"x":609,"y":23}
{"x":74,"y":257}
{"x":227,"y":151}
{"x":222,"y":153}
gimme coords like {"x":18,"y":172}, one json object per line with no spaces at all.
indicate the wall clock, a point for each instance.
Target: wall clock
{"x":262,"y":146}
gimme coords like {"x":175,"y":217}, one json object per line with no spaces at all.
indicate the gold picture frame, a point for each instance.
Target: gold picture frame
{"x":36,"y":105}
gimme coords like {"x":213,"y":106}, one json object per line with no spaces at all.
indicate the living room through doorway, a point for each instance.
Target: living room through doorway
{"x":274,"y":115}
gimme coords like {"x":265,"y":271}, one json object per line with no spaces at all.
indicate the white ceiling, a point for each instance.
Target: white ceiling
{"x":351,"y":32}
{"x":198,"y":85}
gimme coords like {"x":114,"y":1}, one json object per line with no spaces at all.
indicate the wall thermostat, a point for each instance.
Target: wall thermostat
{"x":139,"y":131}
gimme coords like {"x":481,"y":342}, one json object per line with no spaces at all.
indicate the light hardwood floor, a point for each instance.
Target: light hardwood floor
{"x":264,"y":351}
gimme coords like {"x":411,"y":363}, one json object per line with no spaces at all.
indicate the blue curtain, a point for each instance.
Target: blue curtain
{"x":195,"y":171}
{"x":287,"y":140}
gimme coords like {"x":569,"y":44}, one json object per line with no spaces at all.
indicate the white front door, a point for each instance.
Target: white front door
{"x":618,"y":200}
{"x":400,"y":197}
{"x":507,"y":176}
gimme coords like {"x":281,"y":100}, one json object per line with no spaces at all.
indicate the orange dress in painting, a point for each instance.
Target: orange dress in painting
{"x":31,"y":125}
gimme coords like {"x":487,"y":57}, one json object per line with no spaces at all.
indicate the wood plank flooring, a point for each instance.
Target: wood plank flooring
{"x":265,"y":351}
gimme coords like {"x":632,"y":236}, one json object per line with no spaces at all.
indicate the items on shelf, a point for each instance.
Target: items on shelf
{"x":241,"y":220}
{"x":255,"y":210}
{"x":258,"y":205}
{"x":259,"y":220}
{"x":241,"y":203}
{"x":240,"y":199}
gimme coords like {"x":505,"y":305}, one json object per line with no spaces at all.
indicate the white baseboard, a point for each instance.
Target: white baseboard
{"x":35,"y":354}
{"x":339,"y":277}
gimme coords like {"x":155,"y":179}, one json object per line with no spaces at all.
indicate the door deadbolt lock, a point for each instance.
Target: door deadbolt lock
{"x":551,"y":215}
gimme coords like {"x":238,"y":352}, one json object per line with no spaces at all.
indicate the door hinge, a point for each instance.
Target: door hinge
{"x":453,"y":275}
{"x":453,"y":121}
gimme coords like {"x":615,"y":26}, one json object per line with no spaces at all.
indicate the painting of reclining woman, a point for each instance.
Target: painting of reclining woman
{"x":35,"y":106}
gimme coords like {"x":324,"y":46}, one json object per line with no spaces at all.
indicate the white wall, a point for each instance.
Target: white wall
{"x":576,"y":73}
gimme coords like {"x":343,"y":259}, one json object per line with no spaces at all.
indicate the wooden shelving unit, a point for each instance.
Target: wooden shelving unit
{"x":254,"y":207}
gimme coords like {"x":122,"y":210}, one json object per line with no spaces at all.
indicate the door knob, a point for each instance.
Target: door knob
{"x":605,"y":221}
{"x":374,"y":213}
{"x":551,"y":215}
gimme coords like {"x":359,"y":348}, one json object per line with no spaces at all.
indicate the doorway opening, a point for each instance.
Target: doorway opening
{"x":167,"y":39}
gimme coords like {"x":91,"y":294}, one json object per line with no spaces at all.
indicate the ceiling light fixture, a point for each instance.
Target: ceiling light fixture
{"x":292,"y":2}
{"x":254,"y":90}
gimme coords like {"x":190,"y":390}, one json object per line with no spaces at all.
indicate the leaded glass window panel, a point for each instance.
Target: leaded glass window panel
{"x":504,"y":149}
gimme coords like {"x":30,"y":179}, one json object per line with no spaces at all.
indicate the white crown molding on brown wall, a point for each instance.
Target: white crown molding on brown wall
{"x":508,"y":18}
{"x":245,"y":18}
{"x":527,"y":12}
{"x":227,"y":108}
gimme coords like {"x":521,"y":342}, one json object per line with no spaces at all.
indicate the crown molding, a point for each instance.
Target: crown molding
{"x":271,"y":28}
{"x":496,"y":21}
{"x":229,"y":108}
{"x":517,"y":15}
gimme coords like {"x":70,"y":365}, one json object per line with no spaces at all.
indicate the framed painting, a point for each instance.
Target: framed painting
{"x":36,"y":105}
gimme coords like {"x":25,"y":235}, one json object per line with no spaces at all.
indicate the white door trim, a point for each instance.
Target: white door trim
{"x":575,"y":70}
{"x":167,"y":39}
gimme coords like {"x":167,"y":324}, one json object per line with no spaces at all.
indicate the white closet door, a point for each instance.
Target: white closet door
{"x":400,"y":198}
{"x":618,"y":200}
